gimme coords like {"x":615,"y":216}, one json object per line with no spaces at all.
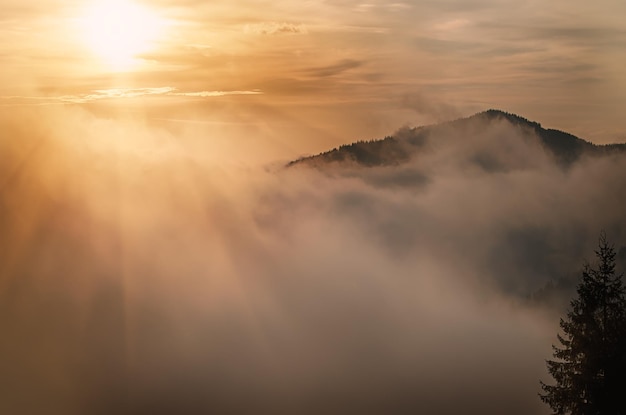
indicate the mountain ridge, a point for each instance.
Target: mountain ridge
{"x":396,"y":149}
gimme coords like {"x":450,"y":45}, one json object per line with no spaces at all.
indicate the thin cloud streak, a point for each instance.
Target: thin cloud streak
{"x":122,"y":93}
{"x":276,"y":28}
{"x":215,"y":93}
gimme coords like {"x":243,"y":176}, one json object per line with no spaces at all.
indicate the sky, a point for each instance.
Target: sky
{"x":336,"y":71}
{"x":157,"y":256}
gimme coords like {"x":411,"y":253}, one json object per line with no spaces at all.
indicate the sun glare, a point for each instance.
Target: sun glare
{"x":118,"y":31}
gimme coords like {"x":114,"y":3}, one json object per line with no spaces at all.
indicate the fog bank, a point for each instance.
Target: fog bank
{"x":143,"y":273}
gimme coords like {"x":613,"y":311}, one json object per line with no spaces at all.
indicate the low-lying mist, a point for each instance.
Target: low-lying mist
{"x":141,"y":272}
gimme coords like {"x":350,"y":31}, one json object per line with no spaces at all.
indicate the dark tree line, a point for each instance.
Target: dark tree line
{"x":589,"y":366}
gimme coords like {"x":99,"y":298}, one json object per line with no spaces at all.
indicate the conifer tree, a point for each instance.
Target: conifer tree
{"x":590,"y":364}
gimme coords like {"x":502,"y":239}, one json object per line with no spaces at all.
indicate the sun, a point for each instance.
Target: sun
{"x":117,"y":31}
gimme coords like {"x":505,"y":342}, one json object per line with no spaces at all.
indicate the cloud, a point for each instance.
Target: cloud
{"x":141,"y":273}
{"x":120,"y":93}
{"x":334,"y":69}
{"x":393,"y":7}
{"x":429,"y":106}
{"x":275,"y":28}
{"x":215,"y":93}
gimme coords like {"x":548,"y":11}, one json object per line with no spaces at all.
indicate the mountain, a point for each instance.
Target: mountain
{"x":401,"y":147}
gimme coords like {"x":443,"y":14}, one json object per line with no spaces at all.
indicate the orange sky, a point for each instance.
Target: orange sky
{"x":311,"y":75}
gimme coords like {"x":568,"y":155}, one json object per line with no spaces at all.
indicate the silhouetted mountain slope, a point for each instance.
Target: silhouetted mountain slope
{"x":565,"y":148}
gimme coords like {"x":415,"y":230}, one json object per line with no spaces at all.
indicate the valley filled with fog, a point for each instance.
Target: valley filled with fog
{"x":143,"y":270}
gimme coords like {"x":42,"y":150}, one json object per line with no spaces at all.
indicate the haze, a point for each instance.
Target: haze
{"x":157,"y":257}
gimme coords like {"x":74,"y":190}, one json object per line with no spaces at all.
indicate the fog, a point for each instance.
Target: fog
{"x":143,"y":271}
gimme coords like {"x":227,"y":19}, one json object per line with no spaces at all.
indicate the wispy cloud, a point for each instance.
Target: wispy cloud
{"x":276,"y":28}
{"x":334,"y":69}
{"x":215,"y":93}
{"x":367,"y":7}
{"x":118,"y":93}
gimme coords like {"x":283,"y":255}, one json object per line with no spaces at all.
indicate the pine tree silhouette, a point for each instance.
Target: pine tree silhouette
{"x":590,"y":365}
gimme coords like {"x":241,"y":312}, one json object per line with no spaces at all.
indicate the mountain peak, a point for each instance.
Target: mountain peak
{"x":512,"y":118}
{"x":565,"y":148}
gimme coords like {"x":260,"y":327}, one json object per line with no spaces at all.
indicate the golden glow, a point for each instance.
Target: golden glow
{"x":117,"y":31}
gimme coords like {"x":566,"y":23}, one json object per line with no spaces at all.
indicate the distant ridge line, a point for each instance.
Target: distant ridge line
{"x":564,"y":147}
